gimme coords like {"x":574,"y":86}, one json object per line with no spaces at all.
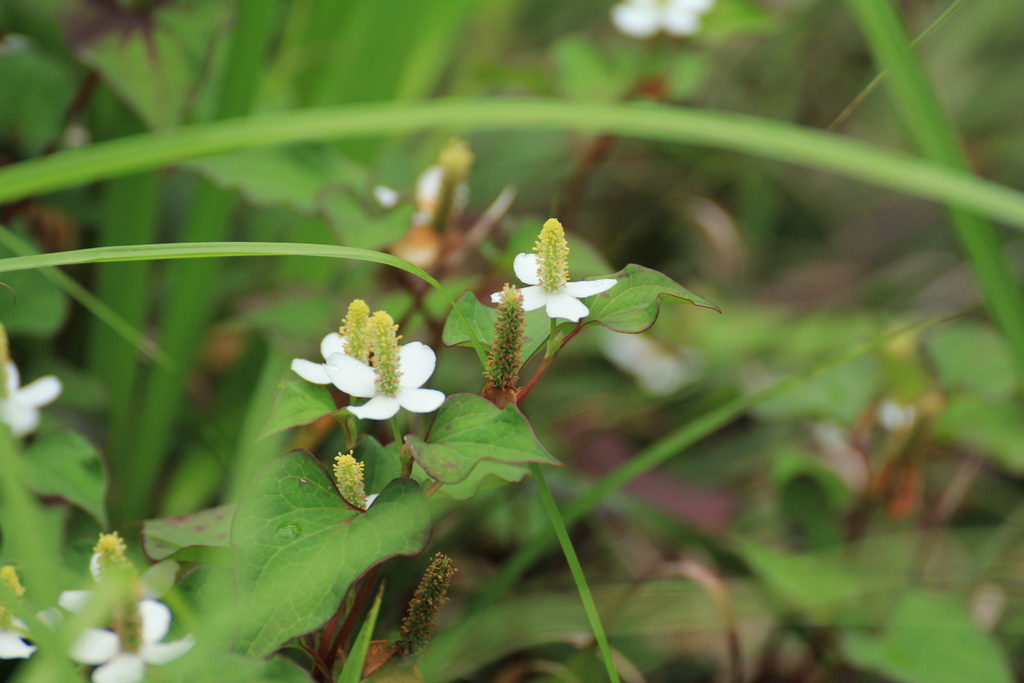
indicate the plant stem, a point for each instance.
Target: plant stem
{"x":577,"y":571}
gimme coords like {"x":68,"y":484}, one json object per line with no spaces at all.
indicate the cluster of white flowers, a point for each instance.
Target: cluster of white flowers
{"x":118,"y":657}
{"x":645,"y":18}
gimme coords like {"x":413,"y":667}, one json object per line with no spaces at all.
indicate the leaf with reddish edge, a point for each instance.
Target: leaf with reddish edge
{"x":202,"y":537}
{"x":633,"y":304}
{"x":469,"y":429}
{"x":299,"y":547}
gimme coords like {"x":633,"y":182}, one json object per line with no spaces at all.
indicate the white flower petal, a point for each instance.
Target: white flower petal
{"x":370,"y":498}
{"x":416,"y":362}
{"x":385,"y":196}
{"x":379,"y":407}
{"x":41,"y":392}
{"x":682,"y":23}
{"x":351,"y":376}
{"x":332,"y":343}
{"x":420,"y":400}
{"x":13,"y":379}
{"x":124,"y":668}
{"x":74,"y":601}
{"x":563,"y":305}
{"x":95,"y":646}
{"x":525,"y":266}
{"x":161,"y":653}
{"x":428,"y":188}
{"x":21,"y":419}
{"x":156,"y":620}
{"x":636,"y":20}
{"x":94,"y":566}
{"x":696,"y":6}
{"x":534,"y":297}
{"x":311,"y":372}
{"x":585,"y":288}
{"x":13,"y":647}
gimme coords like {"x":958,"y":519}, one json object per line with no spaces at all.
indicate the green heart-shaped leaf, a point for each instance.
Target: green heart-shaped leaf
{"x":469,"y":429}
{"x":300,"y":546}
{"x":299,"y":403}
{"x":632,"y":305}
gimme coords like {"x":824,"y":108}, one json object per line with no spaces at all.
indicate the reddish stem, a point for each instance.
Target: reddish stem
{"x":362,"y":597}
{"x":542,"y":368}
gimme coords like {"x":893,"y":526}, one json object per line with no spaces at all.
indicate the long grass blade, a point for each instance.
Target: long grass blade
{"x":725,"y":130}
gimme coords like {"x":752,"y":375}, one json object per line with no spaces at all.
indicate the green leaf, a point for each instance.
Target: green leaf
{"x":299,"y":403}
{"x":930,"y":639}
{"x":632,"y":305}
{"x":815,"y":584}
{"x":469,"y":429}
{"x":353,"y":669}
{"x":583,"y":73}
{"x":994,"y":426}
{"x":841,"y":394}
{"x":36,"y":307}
{"x":66,"y":465}
{"x":300,"y":547}
{"x":973,"y":356}
{"x":382,"y":463}
{"x":154,"y":60}
{"x":293,"y":176}
{"x":203,"y":536}
{"x":481,"y":319}
{"x":485,"y":475}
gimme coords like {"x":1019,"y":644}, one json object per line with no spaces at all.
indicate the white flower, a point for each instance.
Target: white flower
{"x":332,"y":348}
{"x":12,"y":646}
{"x":644,"y":18}
{"x":563,"y":302}
{"x":101,"y":647}
{"x":19,"y":407}
{"x":416,"y":363}
{"x":386,"y":196}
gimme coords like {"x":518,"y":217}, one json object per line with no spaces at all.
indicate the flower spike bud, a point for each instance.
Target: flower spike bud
{"x":349,"y":474}
{"x":455,"y":160}
{"x":421,"y":620}
{"x":108,"y":554}
{"x":354,"y":329}
{"x":10,"y":576}
{"x":552,"y":250}
{"x":383,"y":336}
{"x":506,"y":351}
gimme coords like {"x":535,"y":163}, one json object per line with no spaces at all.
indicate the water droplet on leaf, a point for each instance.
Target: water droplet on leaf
{"x":289,"y":530}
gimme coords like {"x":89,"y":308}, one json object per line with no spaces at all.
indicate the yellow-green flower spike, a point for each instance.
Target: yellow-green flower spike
{"x":552,"y":250}
{"x":10,"y":576}
{"x":506,"y":351}
{"x":127,"y":623}
{"x":109,"y":553}
{"x":349,"y":474}
{"x":384,"y":345}
{"x":354,"y":328}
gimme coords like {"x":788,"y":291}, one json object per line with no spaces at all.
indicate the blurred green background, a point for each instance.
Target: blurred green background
{"x":866,"y":524}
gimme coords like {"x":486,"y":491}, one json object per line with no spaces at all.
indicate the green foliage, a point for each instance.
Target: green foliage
{"x":300,"y":547}
{"x":469,"y":429}
{"x":65,"y":465}
{"x":299,"y":403}
{"x":930,"y":639}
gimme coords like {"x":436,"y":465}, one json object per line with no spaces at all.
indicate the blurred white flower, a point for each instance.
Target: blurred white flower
{"x":386,"y":196}
{"x":895,"y":416}
{"x":103,"y":648}
{"x":644,"y":18}
{"x":12,"y":646}
{"x":658,"y":369}
{"x":19,"y":406}
{"x":416,"y":362}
